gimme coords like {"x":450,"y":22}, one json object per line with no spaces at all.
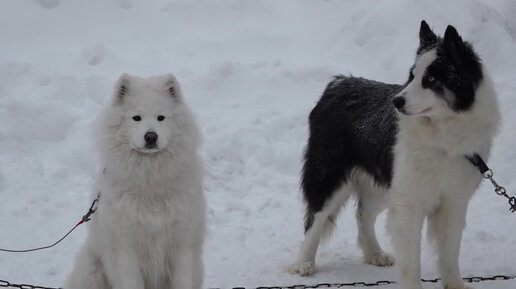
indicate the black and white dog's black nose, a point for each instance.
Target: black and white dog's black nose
{"x":399,"y":102}
{"x":150,"y":139}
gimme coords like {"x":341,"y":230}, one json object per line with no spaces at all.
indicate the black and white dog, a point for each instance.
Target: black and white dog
{"x":405,"y":147}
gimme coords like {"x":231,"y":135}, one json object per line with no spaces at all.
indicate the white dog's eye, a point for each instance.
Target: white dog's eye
{"x":137,"y":118}
{"x":161,"y":118}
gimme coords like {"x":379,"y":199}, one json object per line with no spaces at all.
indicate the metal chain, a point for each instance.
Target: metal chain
{"x":7,"y":284}
{"x":377,"y":283}
{"x":499,"y":190}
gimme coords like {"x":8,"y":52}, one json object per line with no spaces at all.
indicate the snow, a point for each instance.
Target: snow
{"x":251,"y":71}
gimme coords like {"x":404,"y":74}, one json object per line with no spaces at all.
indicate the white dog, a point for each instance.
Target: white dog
{"x":149,"y":229}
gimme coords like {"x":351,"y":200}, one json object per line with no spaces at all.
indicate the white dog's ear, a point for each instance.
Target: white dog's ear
{"x":122,"y":87}
{"x":172,"y":85}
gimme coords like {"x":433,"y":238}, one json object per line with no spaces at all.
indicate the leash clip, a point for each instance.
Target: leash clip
{"x":500,"y":190}
{"x":512,"y":202}
{"x":487,"y":173}
{"x":91,"y":210}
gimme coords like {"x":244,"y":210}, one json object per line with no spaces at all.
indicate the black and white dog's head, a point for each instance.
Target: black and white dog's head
{"x":444,"y":78}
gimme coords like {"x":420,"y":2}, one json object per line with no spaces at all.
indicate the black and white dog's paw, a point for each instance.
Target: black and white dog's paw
{"x":303,"y":268}
{"x":380,"y":259}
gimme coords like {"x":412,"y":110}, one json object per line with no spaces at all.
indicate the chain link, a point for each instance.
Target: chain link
{"x":7,"y":284}
{"x":377,"y":283}
{"x":500,"y":190}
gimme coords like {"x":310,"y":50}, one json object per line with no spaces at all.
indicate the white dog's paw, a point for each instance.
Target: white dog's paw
{"x":380,"y":259}
{"x":302,"y":269}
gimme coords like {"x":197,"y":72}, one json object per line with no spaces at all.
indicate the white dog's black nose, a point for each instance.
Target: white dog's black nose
{"x":150,"y":138}
{"x":399,"y":102}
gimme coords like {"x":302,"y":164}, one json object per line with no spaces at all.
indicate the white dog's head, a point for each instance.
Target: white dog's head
{"x":444,"y":78}
{"x":147,"y":115}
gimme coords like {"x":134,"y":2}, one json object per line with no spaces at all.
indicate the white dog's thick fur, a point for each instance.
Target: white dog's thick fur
{"x":148,"y":231}
{"x":433,"y":179}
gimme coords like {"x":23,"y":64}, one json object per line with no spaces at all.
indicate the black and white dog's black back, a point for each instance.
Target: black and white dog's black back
{"x":330,"y":156}
{"x":352,"y":131}
{"x":401,"y":146}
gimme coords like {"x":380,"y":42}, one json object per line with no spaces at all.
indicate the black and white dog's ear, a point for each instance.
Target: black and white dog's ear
{"x":452,"y":42}
{"x":451,"y":34}
{"x":427,"y":37}
{"x":122,"y":87}
{"x":172,"y":85}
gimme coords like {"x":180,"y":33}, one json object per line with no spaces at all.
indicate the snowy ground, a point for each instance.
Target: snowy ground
{"x":251,"y":70}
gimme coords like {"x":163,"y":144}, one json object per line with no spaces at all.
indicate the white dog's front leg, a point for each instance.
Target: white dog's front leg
{"x":198,"y":269}
{"x":183,"y":263}
{"x":124,"y":271}
{"x":405,"y":224}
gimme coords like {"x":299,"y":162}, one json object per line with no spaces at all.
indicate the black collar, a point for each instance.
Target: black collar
{"x":478,"y":162}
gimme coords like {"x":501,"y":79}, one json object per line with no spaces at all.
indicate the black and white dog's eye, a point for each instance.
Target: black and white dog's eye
{"x":137,"y":118}
{"x":161,"y":118}
{"x":430,"y":78}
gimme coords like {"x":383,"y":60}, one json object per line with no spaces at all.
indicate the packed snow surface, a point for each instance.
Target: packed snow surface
{"x":251,"y":71}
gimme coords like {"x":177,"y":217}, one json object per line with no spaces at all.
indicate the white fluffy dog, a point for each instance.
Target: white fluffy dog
{"x":149,"y":229}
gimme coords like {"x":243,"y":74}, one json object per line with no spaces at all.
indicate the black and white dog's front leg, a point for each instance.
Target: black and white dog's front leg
{"x":405,"y":223}
{"x":445,"y":227}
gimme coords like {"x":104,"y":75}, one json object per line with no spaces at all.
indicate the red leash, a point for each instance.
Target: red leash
{"x":84,"y":219}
